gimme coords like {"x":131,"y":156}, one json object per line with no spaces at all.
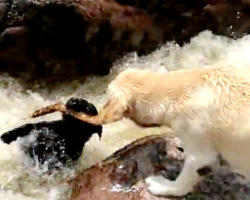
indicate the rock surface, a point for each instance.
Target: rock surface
{"x":69,"y":38}
{"x":121,"y":175}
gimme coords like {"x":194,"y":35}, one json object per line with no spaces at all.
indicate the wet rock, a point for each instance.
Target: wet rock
{"x":64,"y":39}
{"x":121,"y":175}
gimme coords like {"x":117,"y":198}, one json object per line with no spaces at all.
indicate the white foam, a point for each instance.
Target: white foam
{"x":16,"y":182}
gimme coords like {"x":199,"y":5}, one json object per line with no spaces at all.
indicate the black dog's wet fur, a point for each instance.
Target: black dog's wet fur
{"x":59,"y":143}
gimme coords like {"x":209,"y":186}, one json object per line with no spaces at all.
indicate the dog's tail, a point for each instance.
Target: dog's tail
{"x":49,"y":109}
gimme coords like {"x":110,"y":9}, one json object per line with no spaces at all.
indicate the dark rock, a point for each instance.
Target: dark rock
{"x":67,"y":37}
{"x":72,"y":38}
{"x":121,"y":175}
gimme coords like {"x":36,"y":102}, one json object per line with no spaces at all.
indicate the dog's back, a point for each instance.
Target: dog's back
{"x":214,"y":101}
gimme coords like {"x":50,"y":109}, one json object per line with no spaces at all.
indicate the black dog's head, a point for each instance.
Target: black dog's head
{"x":81,"y":105}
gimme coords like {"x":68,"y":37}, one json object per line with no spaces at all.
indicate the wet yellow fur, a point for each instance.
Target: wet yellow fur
{"x":208,"y":109}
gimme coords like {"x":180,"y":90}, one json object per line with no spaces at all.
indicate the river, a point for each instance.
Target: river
{"x":20,"y":181}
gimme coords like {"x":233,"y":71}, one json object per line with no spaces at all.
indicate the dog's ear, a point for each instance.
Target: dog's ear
{"x":91,"y":110}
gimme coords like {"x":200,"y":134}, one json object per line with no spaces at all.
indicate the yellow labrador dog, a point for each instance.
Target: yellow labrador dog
{"x":208,"y":109}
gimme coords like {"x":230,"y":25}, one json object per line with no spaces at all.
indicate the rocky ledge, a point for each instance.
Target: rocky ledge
{"x":121,"y":175}
{"x":70,"y":38}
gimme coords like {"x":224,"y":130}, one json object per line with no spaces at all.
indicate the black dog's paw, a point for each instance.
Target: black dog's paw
{"x":6,"y":138}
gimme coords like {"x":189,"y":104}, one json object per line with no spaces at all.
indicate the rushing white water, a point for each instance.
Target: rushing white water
{"x":18,"y":181}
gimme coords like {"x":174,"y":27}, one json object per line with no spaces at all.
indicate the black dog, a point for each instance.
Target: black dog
{"x":57,"y":143}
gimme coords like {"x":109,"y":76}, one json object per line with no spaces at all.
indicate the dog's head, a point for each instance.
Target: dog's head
{"x":81,"y":105}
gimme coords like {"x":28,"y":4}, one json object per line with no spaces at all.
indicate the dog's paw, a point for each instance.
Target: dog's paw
{"x":6,"y":138}
{"x":158,"y":185}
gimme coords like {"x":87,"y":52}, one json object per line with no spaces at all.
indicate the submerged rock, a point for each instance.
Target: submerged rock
{"x":121,"y":175}
{"x":69,"y":38}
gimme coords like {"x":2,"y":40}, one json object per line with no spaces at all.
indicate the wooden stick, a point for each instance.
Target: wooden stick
{"x":49,"y":109}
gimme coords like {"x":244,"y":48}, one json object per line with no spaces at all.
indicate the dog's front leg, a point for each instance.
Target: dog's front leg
{"x":196,"y":157}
